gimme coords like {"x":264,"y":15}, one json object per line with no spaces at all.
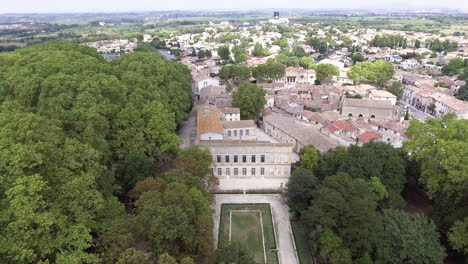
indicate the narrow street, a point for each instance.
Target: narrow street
{"x":415,"y":113}
{"x":188,"y":130}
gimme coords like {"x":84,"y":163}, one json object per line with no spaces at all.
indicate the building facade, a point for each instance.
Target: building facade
{"x":236,"y":159}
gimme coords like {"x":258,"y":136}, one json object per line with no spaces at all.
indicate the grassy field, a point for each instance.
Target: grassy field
{"x":252,"y":225}
{"x":302,"y":246}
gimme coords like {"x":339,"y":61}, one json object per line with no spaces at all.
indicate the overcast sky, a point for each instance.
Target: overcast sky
{"x":54,"y":6}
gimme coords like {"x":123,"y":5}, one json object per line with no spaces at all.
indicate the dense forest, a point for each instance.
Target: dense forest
{"x":352,"y":201}
{"x":91,"y":168}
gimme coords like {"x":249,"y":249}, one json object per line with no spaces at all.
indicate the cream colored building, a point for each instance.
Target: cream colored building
{"x":298,"y":76}
{"x":383,"y":95}
{"x":368,"y":108}
{"x":240,"y":160}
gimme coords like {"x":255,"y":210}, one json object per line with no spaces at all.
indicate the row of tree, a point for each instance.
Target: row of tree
{"x":91,"y":168}
{"x":389,"y":41}
{"x":350,"y":198}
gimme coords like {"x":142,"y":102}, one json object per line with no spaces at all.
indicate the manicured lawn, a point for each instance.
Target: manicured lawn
{"x":303,"y":250}
{"x":250,"y":224}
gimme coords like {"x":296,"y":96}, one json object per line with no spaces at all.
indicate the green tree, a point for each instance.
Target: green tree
{"x":458,"y":236}
{"x":380,"y":160}
{"x":439,"y":145}
{"x":331,"y":161}
{"x":135,"y":167}
{"x":358,"y":57}
{"x":236,"y":73}
{"x":396,"y":89}
{"x":201,"y":54}
{"x":259,"y":50}
{"x":250,"y":98}
{"x":330,"y":248}
{"x":134,"y":256}
{"x":270,"y":71}
{"x":167,"y":259}
{"x":348,"y":207}
{"x":306,"y":62}
{"x":309,"y":158}
{"x":462,"y":93}
{"x":299,"y":189}
{"x":299,"y":52}
{"x":378,"y":72}
{"x":224,"y":52}
{"x":411,"y":239}
{"x":114,"y":230}
{"x":326,"y":72}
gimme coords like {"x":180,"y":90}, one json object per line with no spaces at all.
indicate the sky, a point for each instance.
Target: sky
{"x":59,"y":6}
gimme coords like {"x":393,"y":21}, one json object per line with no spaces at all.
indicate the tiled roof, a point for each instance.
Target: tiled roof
{"x":209,"y":120}
{"x":341,"y":125}
{"x":368,"y":136}
{"x":303,"y":134}
{"x":230,"y":110}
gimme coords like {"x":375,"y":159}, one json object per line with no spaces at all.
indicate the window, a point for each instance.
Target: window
{"x":235,"y":158}
{"x":229,"y":133}
{"x":252,"y":171}
{"x":220,"y":172}
{"x":218,"y":158}
{"x":241,"y":132}
{"x":235,"y":133}
{"x":244,"y":171}
{"x":246,"y":132}
{"x":253,"y":159}
{"x":262,"y":158}
{"x":262,"y":171}
{"x":236,"y":171}
{"x":227,"y":158}
{"x":244,"y":158}
{"x":228,"y":171}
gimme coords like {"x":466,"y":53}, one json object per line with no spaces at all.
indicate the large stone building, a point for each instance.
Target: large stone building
{"x":368,"y":108}
{"x":242,"y":158}
{"x":287,"y":130}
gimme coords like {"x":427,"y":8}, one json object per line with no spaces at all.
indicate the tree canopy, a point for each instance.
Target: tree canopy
{"x":250,"y":98}
{"x":410,"y":239}
{"x":75,"y":131}
{"x":378,"y":72}
{"x":270,"y":71}
{"x":326,"y":72}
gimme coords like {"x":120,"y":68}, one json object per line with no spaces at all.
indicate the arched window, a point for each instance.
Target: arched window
{"x":372,"y":116}
{"x":360,"y":115}
{"x":350,"y":115}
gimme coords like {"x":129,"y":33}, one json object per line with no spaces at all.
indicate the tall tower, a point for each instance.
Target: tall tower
{"x":275,"y":15}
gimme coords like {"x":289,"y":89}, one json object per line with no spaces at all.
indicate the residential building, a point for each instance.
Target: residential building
{"x":287,"y":130}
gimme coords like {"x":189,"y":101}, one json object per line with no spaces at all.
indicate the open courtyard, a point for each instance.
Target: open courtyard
{"x":261,"y":221}
{"x":250,"y":224}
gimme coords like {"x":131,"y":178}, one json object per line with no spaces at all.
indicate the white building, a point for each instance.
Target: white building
{"x":298,"y":76}
{"x":200,"y":82}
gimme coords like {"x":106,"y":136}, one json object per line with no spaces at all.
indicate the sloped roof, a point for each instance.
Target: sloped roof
{"x":238,"y":124}
{"x":368,"y":136}
{"x":209,"y":120}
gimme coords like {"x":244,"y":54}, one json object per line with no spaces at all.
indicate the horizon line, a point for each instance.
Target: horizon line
{"x":461,"y":10}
